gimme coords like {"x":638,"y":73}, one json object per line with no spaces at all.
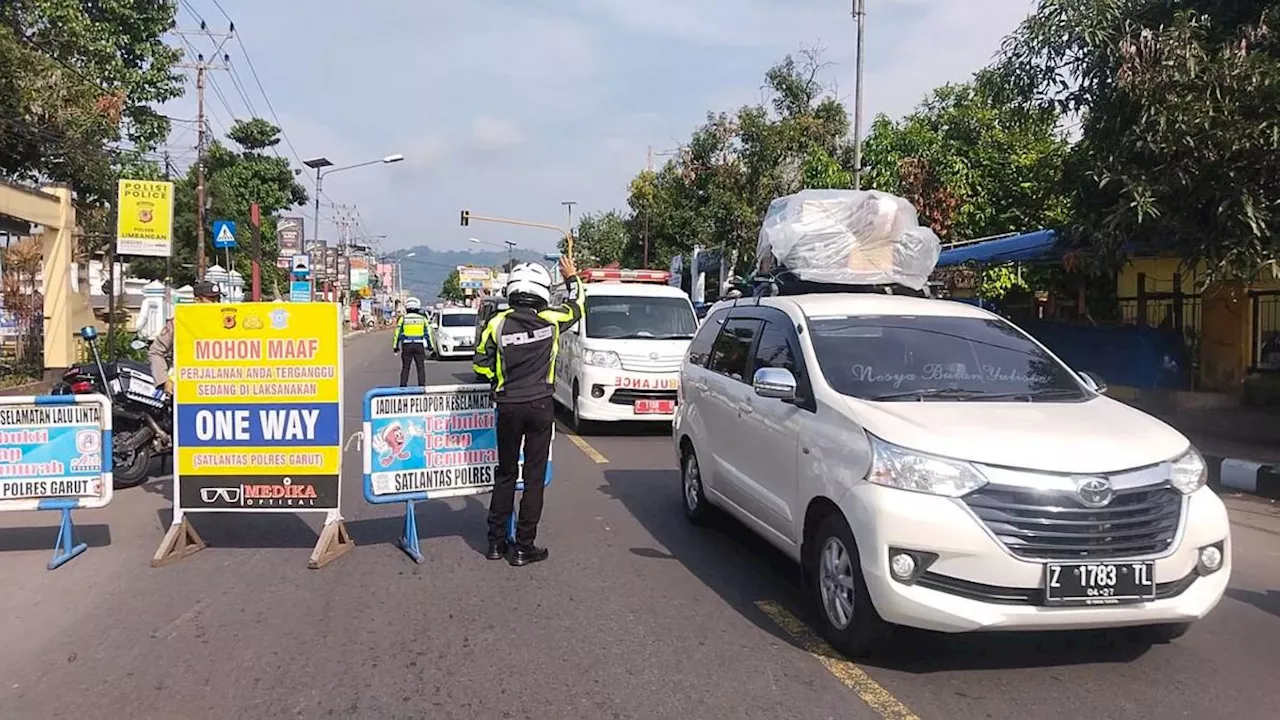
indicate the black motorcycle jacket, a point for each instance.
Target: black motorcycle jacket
{"x":517,"y":350}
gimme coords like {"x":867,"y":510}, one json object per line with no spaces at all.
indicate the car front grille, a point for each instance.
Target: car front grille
{"x":1055,"y":525}
{"x":641,"y":362}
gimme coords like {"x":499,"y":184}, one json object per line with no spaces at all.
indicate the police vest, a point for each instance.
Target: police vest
{"x":414,"y":328}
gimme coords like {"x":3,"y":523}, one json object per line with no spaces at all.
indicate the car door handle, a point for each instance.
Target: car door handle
{"x":701,"y":385}
{"x":745,"y":409}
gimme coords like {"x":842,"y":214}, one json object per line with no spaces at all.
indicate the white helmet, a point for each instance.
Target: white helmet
{"x":413,"y":304}
{"x":530,"y":279}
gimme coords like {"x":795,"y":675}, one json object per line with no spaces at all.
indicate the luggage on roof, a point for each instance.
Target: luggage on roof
{"x":847,"y":238}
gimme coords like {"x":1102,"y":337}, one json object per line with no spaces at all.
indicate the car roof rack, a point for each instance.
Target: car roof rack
{"x":784,"y":282}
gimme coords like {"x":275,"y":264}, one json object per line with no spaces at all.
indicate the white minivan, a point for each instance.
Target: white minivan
{"x":454,"y":332}
{"x":622,"y":361}
{"x":931,"y":465}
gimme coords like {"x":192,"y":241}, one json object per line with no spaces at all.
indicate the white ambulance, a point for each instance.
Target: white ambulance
{"x":622,"y":362}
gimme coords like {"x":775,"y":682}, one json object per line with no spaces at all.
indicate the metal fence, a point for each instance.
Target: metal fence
{"x":1265,"y":335}
{"x":21,"y":340}
{"x":1165,"y":310}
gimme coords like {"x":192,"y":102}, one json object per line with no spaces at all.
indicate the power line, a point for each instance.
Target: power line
{"x":258,"y":81}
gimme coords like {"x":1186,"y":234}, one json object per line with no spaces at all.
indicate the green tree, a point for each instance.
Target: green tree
{"x":75,"y":79}
{"x":1180,"y":139}
{"x":973,"y":164}
{"x":451,"y":289}
{"x":716,"y":192}
{"x":601,"y":238}
{"x":234,"y":180}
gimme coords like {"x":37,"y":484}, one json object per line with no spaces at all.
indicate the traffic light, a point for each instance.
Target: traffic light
{"x":466,"y":218}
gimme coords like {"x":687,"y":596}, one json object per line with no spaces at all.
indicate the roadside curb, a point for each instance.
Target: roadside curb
{"x":1246,"y":476}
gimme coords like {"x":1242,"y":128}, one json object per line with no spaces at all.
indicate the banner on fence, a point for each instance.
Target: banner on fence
{"x":55,"y":454}
{"x":258,"y":404}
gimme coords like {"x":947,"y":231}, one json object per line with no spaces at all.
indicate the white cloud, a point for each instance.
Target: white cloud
{"x":492,"y":133}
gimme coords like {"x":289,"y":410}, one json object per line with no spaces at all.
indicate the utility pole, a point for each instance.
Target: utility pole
{"x":569,"y":244}
{"x":859,"y":17}
{"x":201,"y":67}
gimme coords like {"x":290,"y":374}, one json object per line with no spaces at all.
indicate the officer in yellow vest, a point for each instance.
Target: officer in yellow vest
{"x":413,"y":334}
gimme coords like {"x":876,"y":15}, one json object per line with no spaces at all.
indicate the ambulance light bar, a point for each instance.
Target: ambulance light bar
{"x":618,"y":275}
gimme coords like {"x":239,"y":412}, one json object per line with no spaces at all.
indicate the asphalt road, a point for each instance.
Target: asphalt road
{"x":636,"y":615}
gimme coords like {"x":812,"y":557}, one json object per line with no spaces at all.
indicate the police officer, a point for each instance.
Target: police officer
{"x":515,"y":353}
{"x":413,"y":333}
{"x":160,"y":354}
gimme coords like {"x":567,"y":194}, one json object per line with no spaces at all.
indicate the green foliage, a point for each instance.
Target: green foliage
{"x":716,"y":192}
{"x":76,"y":77}
{"x":601,"y":238}
{"x":1180,"y":139}
{"x":972,"y":165}
{"x":451,"y":289}
{"x":234,"y":180}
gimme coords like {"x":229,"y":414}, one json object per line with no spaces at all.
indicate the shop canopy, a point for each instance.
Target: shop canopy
{"x":1030,"y":247}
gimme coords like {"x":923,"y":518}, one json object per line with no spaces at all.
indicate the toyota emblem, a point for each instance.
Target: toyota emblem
{"x":1095,"y":492}
{"x":653,"y":356}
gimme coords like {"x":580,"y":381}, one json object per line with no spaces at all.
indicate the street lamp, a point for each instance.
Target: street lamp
{"x":319,"y":164}
{"x":511,"y":262}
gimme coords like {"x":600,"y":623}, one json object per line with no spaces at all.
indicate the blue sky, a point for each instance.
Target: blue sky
{"x":510,"y":107}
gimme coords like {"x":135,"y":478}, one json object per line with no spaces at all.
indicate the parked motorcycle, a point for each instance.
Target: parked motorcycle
{"x":141,"y":409}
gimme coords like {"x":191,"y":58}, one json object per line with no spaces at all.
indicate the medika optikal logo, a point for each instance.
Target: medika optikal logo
{"x":286,"y":494}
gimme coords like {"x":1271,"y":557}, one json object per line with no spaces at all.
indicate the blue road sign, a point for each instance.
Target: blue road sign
{"x":300,"y":291}
{"x":224,"y":234}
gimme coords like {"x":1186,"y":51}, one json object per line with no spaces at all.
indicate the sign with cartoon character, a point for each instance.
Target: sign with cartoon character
{"x":428,"y":443}
{"x":258,"y":410}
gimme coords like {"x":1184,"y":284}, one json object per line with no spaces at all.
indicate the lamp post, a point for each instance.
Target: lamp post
{"x":511,"y":247}
{"x":319,"y":164}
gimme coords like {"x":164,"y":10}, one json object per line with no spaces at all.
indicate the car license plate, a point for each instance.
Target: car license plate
{"x":1099,"y":583}
{"x":655,"y":407}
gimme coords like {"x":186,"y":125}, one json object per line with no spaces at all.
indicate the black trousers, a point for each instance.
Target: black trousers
{"x":415,"y":354}
{"x":530,"y":422}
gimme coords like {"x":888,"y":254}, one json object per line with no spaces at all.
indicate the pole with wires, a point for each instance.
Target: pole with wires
{"x":859,"y":17}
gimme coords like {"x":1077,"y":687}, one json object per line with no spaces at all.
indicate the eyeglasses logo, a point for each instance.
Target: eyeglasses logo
{"x":225,"y":494}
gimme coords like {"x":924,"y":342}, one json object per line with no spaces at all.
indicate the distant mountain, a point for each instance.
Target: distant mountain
{"x":423,"y":269}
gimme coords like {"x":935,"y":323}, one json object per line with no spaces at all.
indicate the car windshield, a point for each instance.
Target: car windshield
{"x":458,"y":320}
{"x":632,"y":317}
{"x":900,"y":358}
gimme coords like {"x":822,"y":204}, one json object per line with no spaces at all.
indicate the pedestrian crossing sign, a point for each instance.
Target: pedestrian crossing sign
{"x":224,"y":234}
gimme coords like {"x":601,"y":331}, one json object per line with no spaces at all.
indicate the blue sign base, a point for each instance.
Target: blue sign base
{"x":408,"y":541}
{"x":66,"y":547}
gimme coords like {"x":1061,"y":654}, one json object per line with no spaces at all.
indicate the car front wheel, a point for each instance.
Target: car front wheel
{"x":838,"y":591}
{"x":696,"y":509}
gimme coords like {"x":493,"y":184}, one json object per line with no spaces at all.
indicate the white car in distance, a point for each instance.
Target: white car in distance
{"x":454,"y":332}
{"x":931,"y":465}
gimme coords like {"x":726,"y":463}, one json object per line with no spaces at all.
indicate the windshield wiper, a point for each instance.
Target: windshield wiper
{"x":947,"y":393}
{"x":646,"y":335}
{"x":1041,"y":393}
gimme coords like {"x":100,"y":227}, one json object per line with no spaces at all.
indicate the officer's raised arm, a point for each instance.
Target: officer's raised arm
{"x":572,"y":309}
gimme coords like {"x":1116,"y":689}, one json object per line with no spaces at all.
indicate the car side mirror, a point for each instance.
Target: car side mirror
{"x":775,"y":383}
{"x":1094,"y":382}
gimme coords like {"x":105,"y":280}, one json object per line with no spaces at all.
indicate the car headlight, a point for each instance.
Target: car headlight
{"x":897,"y":467}
{"x":601,"y":358}
{"x":1188,"y":473}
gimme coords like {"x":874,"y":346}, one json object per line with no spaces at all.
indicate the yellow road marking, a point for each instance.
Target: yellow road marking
{"x":586,"y":448}
{"x":871,"y":692}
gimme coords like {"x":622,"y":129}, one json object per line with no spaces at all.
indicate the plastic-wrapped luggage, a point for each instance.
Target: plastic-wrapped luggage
{"x":848,"y":237}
